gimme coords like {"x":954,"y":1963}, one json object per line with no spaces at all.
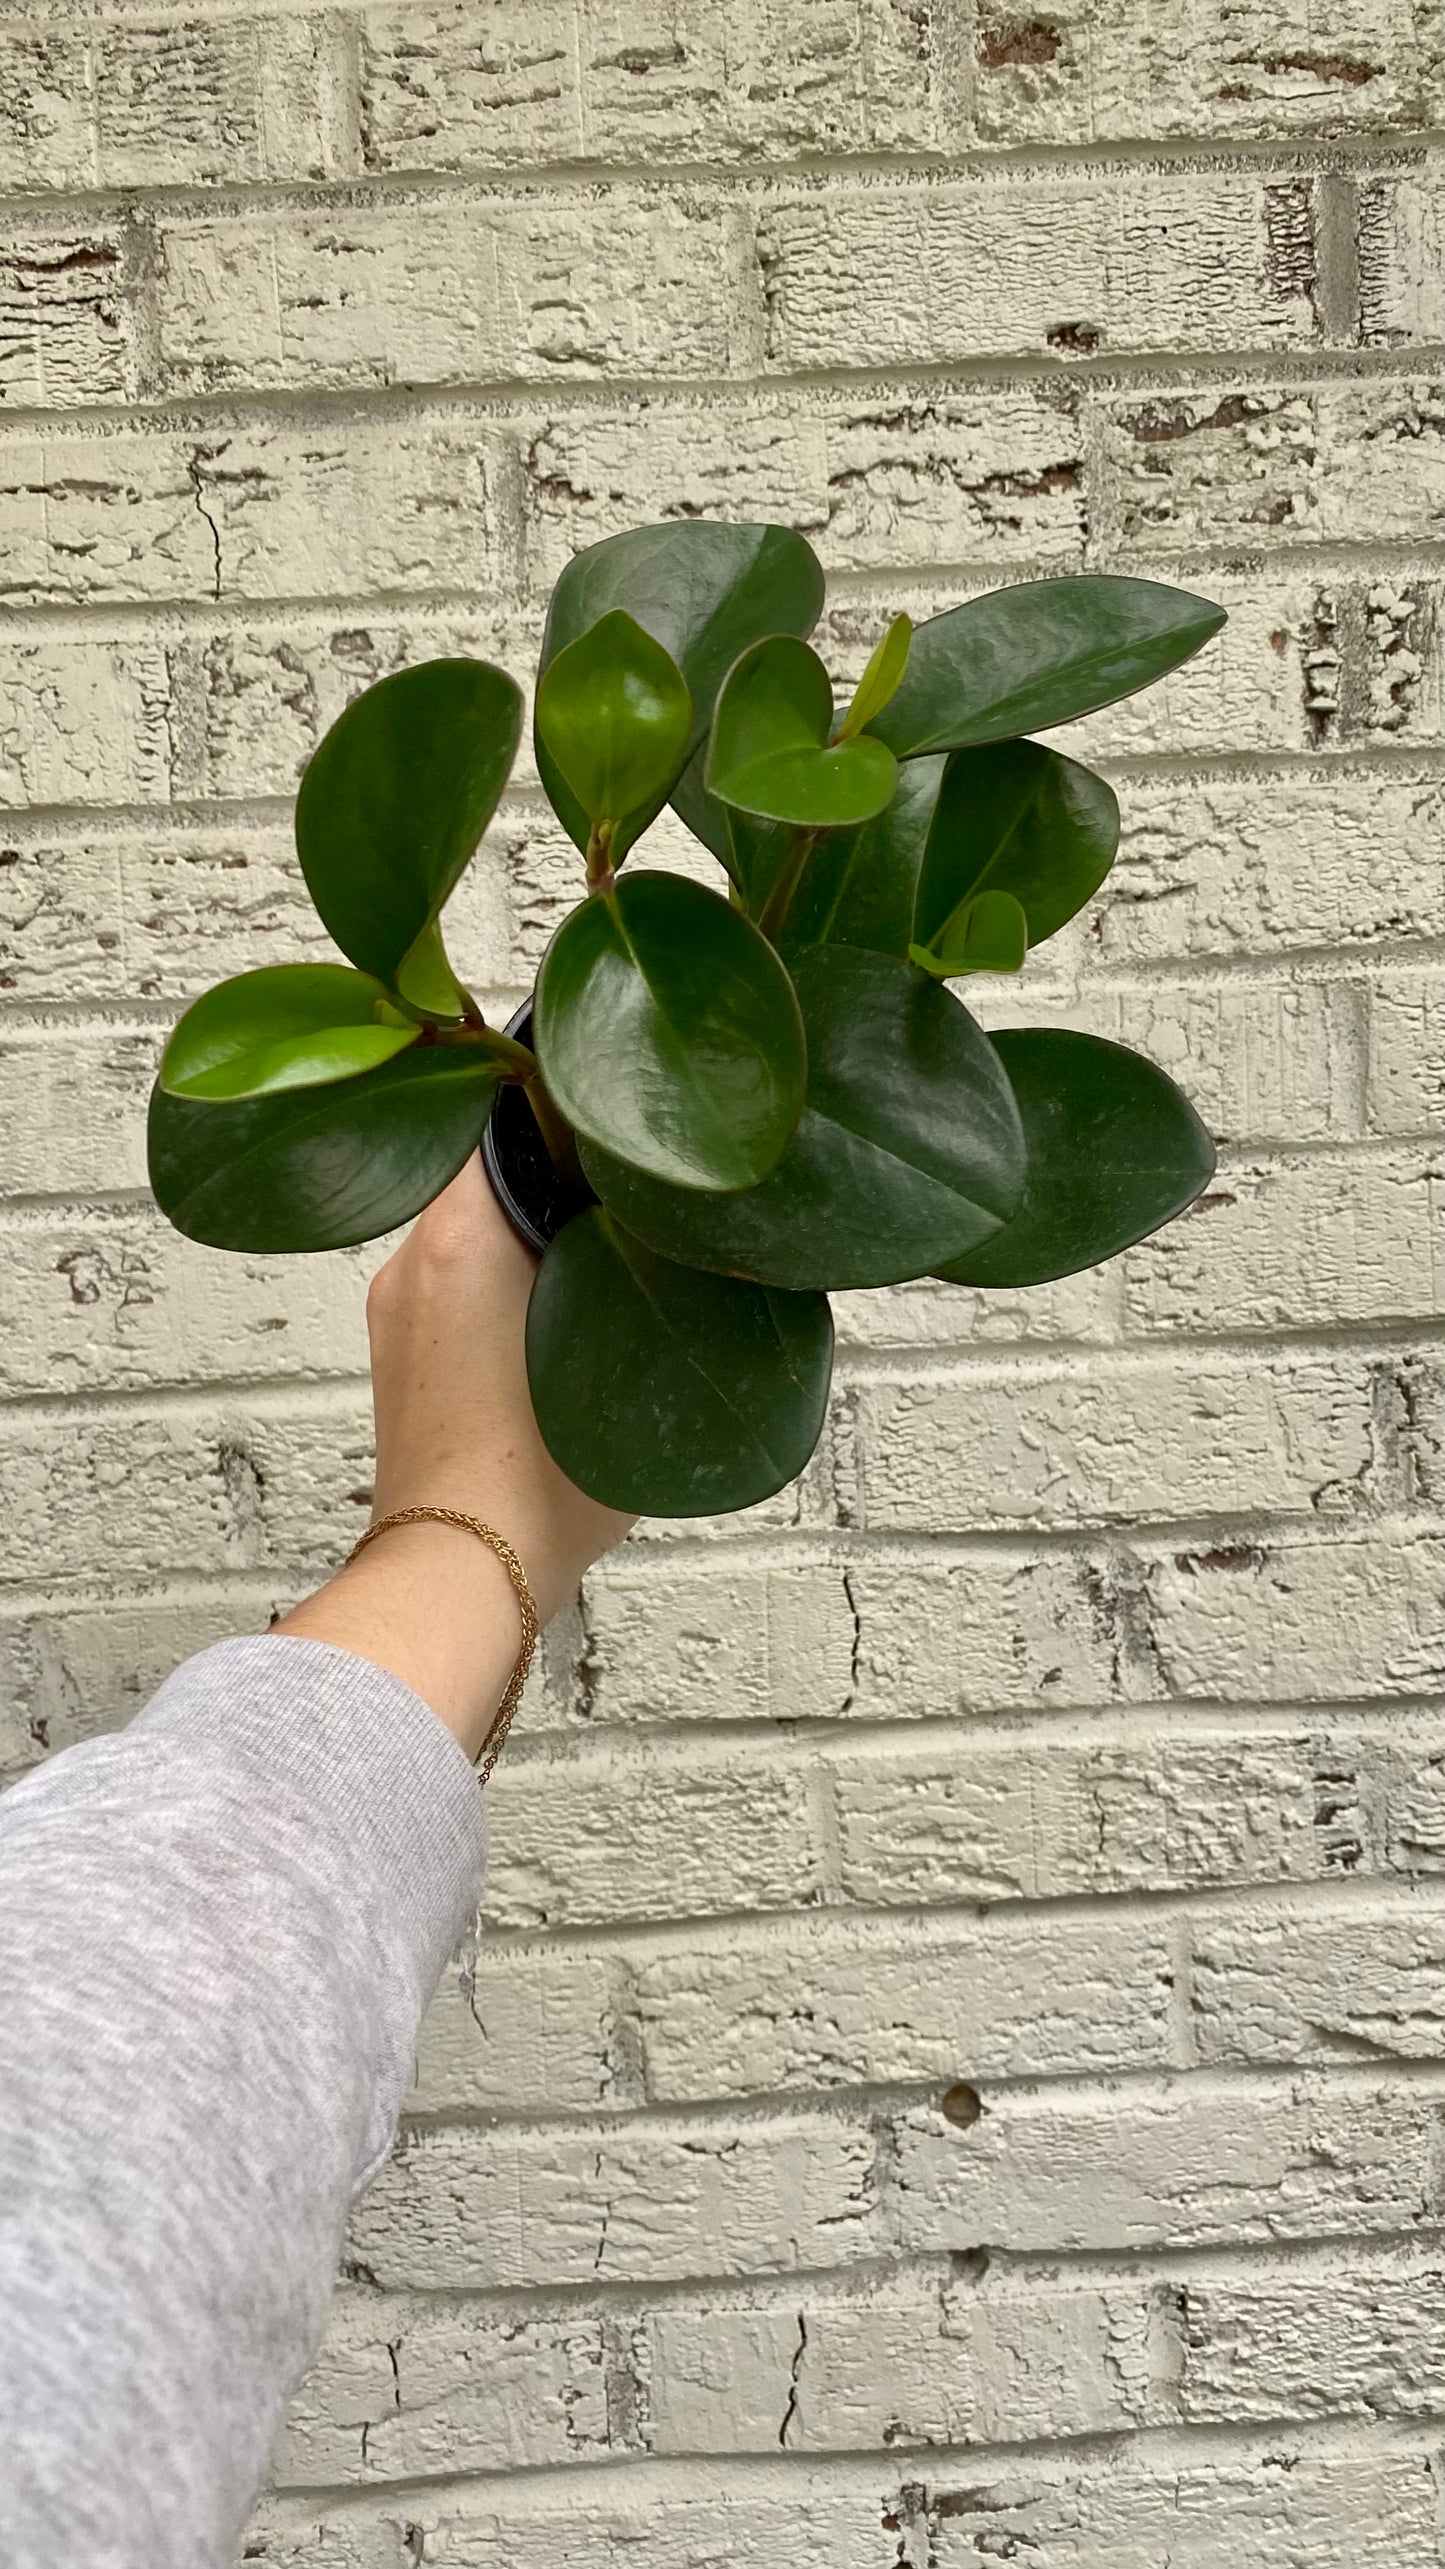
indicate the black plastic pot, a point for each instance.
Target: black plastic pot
{"x":536,"y":1201}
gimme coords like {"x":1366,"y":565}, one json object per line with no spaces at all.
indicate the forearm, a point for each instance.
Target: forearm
{"x":217,"y":1935}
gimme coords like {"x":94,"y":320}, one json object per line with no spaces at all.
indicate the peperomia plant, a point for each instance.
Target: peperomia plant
{"x":721,"y":1104}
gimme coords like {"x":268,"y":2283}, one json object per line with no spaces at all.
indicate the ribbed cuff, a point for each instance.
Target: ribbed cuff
{"x":374,"y":1759}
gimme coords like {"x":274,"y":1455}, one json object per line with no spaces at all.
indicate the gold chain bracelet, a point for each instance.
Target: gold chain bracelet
{"x":491,"y":1747}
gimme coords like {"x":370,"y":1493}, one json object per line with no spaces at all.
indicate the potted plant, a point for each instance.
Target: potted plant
{"x":720,"y":1104}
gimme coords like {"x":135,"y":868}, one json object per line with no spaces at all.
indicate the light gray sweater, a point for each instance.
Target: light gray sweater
{"x":218,"y":1932}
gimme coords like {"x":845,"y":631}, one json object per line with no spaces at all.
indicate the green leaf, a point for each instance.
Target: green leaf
{"x":320,"y":1168}
{"x":666,"y":1392}
{"x":770,"y":753}
{"x":668,"y":1032}
{"x":1026,"y":658}
{"x":615,"y":717}
{"x":704,"y":591}
{"x":859,"y":886}
{"x":988,"y":932}
{"x":1114,"y":1149}
{"x":910,"y":1138}
{"x":880,"y":681}
{"x":294,"y":1025}
{"x":1018,"y":818}
{"x":392,"y":806}
{"x":750,"y":850}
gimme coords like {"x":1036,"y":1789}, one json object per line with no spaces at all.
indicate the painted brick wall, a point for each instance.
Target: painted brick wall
{"x":954,"y":2068}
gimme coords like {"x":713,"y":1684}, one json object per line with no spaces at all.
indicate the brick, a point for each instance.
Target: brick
{"x":65,"y":317}
{"x":47,"y":107}
{"x":1080,"y":72}
{"x":876,"y":482}
{"x":1269,"y":863}
{"x":948,"y":1452}
{"x":75,"y":1107}
{"x":676,"y":1643}
{"x":1081,"y":1310}
{"x":1406,"y":1062}
{"x":86,"y":720}
{"x":875,"y":2003}
{"x":1280,"y":1622}
{"x":897,"y":274}
{"x":516,"y":2032}
{"x":485,"y":2210}
{"x":448,"y":293}
{"x":1339,"y":1985}
{"x":1190,"y":2167}
{"x":461,"y":88}
{"x":249,"y":512}
{"x":1359,"y":2342}
{"x":1315,"y":1242}
{"x":1402,"y":303}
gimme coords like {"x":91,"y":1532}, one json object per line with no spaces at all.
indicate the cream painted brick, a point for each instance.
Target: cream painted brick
{"x":1248,"y":1623}
{"x":886,"y":481}
{"x":873,"y":2003}
{"x":771,"y":80}
{"x":1307,"y":1243}
{"x":1407,"y":1053}
{"x":943,"y":1454}
{"x":404,"y":2392}
{"x":895,"y":274}
{"x":470,"y":88}
{"x":451,"y":293}
{"x":47,"y":107}
{"x":1363,"y":2342}
{"x":1402,"y":298}
{"x":1213,"y":864}
{"x":1079,"y":71}
{"x":485,"y":2210}
{"x":246,"y":512}
{"x":1285,"y":2503}
{"x":1190,"y":2167}
{"x":84,"y":719}
{"x":1337,"y":463}
{"x":1082,"y":1309}
{"x":74,"y":1108}
{"x":516,"y":2032}
{"x":66,"y":316}
{"x":667,"y":1642}
{"x":1340,"y":1985}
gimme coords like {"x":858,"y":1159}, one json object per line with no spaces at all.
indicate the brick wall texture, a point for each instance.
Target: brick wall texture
{"x":953,"y":2065}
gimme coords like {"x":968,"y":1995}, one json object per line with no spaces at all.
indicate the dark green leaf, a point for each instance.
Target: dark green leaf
{"x":1026,"y":658}
{"x":881,"y":679}
{"x":668,"y":1032}
{"x":751,"y":850}
{"x":910,"y":1137}
{"x":319,"y":1168}
{"x":1018,"y":818}
{"x":770,"y":754}
{"x":667,"y":1392}
{"x":392,"y":806}
{"x":293,"y":1025}
{"x":988,"y":932}
{"x":859,"y":886}
{"x":1114,"y":1150}
{"x":702,"y":590}
{"x":614,"y":715}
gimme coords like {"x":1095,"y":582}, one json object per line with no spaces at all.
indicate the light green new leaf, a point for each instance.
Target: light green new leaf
{"x":988,"y":932}
{"x":614,"y":715}
{"x":293,"y":1025}
{"x":320,"y":1168}
{"x":881,"y":679}
{"x":1023,"y":659}
{"x":392,"y":806}
{"x":668,"y":1032}
{"x":704,"y":591}
{"x":1016,"y":817}
{"x":771,"y":753}
{"x":665,"y":1392}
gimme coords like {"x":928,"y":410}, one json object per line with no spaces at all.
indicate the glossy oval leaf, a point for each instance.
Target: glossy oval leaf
{"x":320,"y":1168}
{"x":667,"y":1392}
{"x":859,"y":887}
{"x":1018,"y":818}
{"x":988,"y":932}
{"x":668,"y":1032}
{"x":1023,"y":659}
{"x":392,"y":806}
{"x":881,"y":679}
{"x":614,"y":715}
{"x":704,"y":591}
{"x":293,"y":1025}
{"x":771,"y":752}
{"x":910,"y":1137}
{"x":1114,"y":1150}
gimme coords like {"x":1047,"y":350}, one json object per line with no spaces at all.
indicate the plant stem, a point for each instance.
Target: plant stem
{"x":555,"y":1130}
{"x":773,"y":914}
{"x":517,"y":1060}
{"x":600,"y":876}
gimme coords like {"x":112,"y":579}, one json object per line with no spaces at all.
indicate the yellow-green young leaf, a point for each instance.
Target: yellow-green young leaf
{"x":293,"y":1025}
{"x":881,"y":679}
{"x":771,"y":752}
{"x":986,"y":933}
{"x":614,"y":713}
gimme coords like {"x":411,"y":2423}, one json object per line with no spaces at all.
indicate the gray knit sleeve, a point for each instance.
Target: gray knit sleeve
{"x":218,"y":1932}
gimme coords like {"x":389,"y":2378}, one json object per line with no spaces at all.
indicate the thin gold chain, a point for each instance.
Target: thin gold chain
{"x":491,"y":1747}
